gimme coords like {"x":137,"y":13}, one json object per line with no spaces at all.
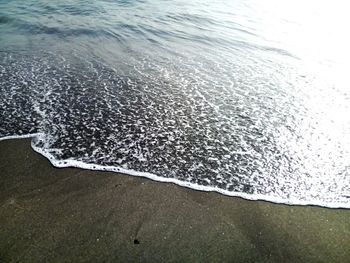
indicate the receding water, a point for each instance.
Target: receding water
{"x":247,"y":98}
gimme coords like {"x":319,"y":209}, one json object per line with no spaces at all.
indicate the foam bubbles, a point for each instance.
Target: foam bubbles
{"x":206,"y":126}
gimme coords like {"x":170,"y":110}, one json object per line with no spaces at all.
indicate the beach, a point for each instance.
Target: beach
{"x":74,"y":215}
{"x":174,"y":131}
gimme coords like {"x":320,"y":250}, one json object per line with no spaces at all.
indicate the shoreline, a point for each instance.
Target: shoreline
{"x":74,"y":215}
{"x":156,"y":178}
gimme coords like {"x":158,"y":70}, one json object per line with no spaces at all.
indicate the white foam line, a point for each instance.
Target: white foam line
{"x":96,"y":167}
{"x":30,"y":135}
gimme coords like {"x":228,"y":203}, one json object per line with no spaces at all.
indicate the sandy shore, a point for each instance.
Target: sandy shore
{"x":73,"y":215}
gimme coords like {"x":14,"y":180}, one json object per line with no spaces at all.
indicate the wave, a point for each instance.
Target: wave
{"x":95,"y":167}
{"x":82,"y":113}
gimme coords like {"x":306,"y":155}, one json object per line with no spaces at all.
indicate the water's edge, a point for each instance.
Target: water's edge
{"x":94,"y":167}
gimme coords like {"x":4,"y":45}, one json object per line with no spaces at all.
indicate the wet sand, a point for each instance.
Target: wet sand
{"x":73,"y":215}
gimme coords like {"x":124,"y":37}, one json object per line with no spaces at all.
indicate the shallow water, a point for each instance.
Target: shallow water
{"x":245,"y":98}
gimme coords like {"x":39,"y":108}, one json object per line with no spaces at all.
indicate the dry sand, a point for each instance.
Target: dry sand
{"x":73,"y":215}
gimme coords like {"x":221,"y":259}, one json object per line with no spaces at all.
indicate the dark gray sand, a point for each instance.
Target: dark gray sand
{"x":73,"y":215}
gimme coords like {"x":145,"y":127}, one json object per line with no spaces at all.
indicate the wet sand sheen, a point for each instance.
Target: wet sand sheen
{"x":74,"y":215}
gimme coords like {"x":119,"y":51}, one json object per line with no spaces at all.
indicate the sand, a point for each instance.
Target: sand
{"x":74,"y":215}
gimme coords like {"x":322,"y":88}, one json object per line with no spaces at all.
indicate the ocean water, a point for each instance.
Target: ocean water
{"x":247,"y":98}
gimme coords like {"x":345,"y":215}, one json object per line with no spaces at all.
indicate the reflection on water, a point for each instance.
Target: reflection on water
{"x":248,"y":98}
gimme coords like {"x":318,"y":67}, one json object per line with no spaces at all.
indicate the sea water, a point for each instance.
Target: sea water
{"x":247,"y":98}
